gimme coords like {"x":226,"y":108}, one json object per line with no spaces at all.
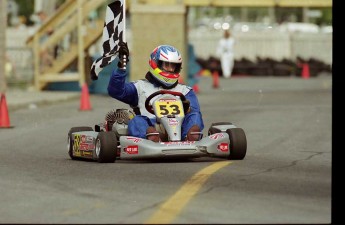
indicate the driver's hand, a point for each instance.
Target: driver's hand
{"x":123,"y":55}
{"x":186,"y":106}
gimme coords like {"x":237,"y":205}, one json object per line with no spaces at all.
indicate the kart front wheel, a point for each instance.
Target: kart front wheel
{"x":238,"y":143}
{"x":106,"y":147}
{"x":70,"y":141}
{"x":214,"y":130}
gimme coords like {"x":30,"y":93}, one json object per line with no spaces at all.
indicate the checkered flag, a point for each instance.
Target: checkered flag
{"x":113,"y":33}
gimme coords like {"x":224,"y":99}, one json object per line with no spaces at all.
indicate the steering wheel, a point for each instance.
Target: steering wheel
{"x":149,"y":107}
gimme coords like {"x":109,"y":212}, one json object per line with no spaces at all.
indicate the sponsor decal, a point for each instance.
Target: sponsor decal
{"x":81,"y":144}
{"x":178,"y":143}
{"x":173,"y":122}
{"x":165,"y":107}
{"x":89,"y":139}
{"x":134,"y":139}
{"x":86,"y":154}
{"x":76,"y":142}
{"x":167,"y":100}
{"x":224,"y":147}
{"x":84,"y":147}
{"x":91,"y":146}
{"x":216,"y":136}
{"x":132,"y":149}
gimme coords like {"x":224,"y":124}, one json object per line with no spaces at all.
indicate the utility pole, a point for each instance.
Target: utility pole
{"x":3,"y":26}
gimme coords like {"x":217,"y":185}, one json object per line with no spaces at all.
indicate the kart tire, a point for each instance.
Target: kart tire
{"x":70,"y":141}
{"x":238,"y":143}
{"x":213,"y":130}
{"x":106,"y":147}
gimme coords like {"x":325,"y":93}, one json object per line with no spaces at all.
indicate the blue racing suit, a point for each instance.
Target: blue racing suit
{"x":135,"y":93}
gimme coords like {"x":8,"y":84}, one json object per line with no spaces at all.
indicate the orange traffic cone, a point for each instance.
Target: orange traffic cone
{"x":85,"y":98}
{"x":4,"y":118}
{"x":215,"y":76}
{"x":305,"y":71}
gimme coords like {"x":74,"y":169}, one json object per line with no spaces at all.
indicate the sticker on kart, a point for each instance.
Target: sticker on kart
{"x":132,"y":149}
{"x":178,"y":143}
{"x":216,"y":136}
{"x":83,"y":146}
{"x":164,"y":107}
{"x":223,"y":147}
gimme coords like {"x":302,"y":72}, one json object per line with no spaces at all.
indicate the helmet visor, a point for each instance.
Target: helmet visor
{"x":169,"y":67}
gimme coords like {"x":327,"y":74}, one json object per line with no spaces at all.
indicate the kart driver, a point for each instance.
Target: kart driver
{"x":164,"y":71}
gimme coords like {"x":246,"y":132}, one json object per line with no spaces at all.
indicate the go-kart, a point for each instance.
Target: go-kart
{"x":109,"y":140}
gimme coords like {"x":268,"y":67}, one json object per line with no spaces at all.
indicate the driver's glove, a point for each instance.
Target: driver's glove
{"x":186,"y":106}
{"x":123,"y":55}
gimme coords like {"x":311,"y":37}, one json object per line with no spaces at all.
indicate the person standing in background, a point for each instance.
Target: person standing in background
{"x":193,"y":69}
{"x":48,"y":54}
{"x":225,"y":51}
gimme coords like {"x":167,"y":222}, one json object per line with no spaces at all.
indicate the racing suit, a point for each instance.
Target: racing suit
{"x":135,"y":93}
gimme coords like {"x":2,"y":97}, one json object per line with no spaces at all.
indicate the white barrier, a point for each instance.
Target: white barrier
{"x":274,"y":44}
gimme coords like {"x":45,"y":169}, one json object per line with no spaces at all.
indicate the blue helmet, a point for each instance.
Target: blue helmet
{"x":163,"y":57}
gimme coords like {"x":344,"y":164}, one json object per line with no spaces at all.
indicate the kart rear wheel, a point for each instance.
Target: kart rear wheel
{"x":106,"y":147}
{"x":238,"y":143}
{"x":70,"y":141}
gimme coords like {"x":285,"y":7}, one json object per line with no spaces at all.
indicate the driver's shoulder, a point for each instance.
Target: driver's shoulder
{"x":145,"y":86}
{"x":184,"y":89}
{"x":142,"y":83}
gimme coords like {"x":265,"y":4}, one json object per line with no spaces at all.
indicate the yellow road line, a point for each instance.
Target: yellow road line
{"x":172,"y":207}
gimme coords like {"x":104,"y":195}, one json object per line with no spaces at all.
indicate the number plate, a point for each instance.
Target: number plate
{"x":164,"y":107}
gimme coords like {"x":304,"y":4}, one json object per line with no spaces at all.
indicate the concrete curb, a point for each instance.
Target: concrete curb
{"x":18,"y":99}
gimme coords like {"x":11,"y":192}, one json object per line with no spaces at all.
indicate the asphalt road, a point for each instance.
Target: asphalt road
{"x":286,"y":176}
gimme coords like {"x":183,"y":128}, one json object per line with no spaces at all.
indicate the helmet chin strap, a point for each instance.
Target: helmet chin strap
{"x":155,"y":82}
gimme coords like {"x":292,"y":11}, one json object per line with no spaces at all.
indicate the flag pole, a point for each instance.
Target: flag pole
{"x":124,"y":31}
{"x":124,"y":20}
